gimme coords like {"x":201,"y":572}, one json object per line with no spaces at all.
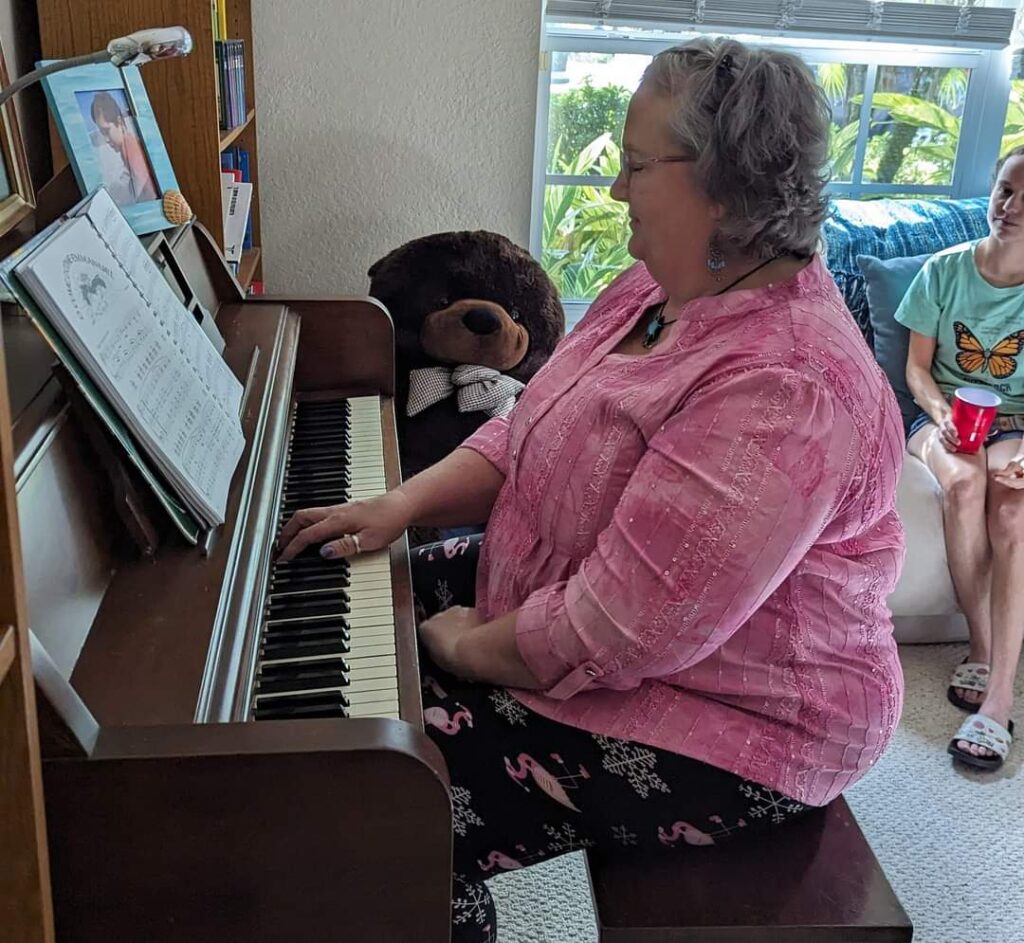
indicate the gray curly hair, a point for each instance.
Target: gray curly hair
{"x":758,"y":125}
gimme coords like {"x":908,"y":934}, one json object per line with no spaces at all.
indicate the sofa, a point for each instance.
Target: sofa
{"x":858,"y":236}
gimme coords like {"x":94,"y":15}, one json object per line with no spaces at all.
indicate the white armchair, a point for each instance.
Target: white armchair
{"x":924,"y":606}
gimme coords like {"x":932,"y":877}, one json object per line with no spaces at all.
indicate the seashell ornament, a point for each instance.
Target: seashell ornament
{"x":176,"y":208}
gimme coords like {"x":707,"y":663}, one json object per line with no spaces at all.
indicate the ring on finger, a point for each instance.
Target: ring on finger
{"x":355,"y":542}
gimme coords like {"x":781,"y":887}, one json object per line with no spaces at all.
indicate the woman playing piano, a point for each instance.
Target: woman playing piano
{"x":679,"y":633}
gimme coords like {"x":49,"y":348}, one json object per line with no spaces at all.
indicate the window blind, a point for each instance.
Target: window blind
{"x":908,"y":22}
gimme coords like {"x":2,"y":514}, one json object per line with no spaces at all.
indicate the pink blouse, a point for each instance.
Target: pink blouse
{"x":700,"y":542}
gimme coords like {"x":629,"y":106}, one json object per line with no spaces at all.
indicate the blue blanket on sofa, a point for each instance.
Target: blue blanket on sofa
{"x":889,"y":229}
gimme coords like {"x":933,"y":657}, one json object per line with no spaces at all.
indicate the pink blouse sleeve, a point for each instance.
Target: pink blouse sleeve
{"x":491,"y":441}
{"x":729,"y":497}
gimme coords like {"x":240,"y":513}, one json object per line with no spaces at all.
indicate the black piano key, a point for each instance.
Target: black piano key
{"x":337,"y":472}
{"x":322,"y":604}
{"x":335,"y":439}
{"x":317,"y":488}
{"x":310,"y":627}
{"x":335,"y":705}
{"x":317,"y":421}
{"x":300,"y":453}
{"x":312,"y":563}
{"x":322,"y":430}
{"x":315,"y":405}
{"x":315,"y":500}
{"x":322,"y":498}
{"x":275,"y":679}
{"x":312,"y":581}
{"x":338,"y":440}
{"x":330,"y":462}
{"x":303,"y":648}
{"x":309,"y":562}
{"x":305,"y":632}
{"x":309,"y":617}
{"x":310,"y":413}
{"x":309,"y":475}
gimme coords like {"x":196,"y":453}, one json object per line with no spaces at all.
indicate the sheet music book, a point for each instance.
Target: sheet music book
{"x":142,"y":360}
{"x":236,"y":217}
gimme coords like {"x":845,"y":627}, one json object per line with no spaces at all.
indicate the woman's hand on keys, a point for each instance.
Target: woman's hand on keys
{"x":343,"y":530}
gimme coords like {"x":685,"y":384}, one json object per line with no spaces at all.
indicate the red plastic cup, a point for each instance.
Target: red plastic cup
{"x":974,"y":411}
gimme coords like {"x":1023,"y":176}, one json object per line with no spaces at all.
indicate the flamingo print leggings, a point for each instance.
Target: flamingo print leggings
{"x":527,"y":789}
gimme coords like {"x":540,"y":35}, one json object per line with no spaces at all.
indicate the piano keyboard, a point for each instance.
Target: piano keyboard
{"x":327,"y":644}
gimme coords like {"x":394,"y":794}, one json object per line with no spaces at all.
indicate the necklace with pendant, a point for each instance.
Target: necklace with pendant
{"x":658,"y":323}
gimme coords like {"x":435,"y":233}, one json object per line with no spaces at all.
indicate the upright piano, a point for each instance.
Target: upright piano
{"x":233,"y":748}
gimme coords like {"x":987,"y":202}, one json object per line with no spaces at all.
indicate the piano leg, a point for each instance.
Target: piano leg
{"x":236,"y":832}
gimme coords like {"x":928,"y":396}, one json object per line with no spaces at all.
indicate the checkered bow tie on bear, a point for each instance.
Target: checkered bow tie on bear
{"x":476,"y":389}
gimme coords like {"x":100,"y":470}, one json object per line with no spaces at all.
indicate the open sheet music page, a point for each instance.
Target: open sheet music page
{"x":96,"y":283}
{"x":186,"y":332}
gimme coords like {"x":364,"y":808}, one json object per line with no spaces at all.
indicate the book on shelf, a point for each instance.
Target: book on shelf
{"x":236,"y":160}
{"x":221,"y":8}
{"x":138,"y":355}
{"x":236,"y":220}
{"x":230,"y":60}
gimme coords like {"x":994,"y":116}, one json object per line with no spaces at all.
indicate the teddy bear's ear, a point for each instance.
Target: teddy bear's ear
{"x":376,"y":267}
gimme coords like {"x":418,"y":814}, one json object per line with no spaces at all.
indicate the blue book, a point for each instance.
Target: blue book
{"x":242,"y":104}
{"x":242,"y":162}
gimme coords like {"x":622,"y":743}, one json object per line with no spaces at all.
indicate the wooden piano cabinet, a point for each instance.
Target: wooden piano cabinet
{"x":172,"y":816}
{"x":239,"y":832}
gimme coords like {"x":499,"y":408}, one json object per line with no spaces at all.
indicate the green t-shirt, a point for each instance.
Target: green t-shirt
{"x":979,"y":328}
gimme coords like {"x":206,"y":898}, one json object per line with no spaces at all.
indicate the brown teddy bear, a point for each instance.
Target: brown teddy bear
{"x":475,"y":317}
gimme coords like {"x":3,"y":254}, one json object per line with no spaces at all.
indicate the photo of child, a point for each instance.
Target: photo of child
{"x":117,"y":145}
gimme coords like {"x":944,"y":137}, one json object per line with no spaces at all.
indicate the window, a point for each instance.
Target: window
{"x":907,"y":122}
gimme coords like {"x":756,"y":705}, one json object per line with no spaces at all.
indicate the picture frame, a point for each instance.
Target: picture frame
{"x":110,"y":133}
{"x":17,"y":198}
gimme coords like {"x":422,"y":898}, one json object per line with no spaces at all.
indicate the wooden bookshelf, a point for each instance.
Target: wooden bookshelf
{"x":227,"y":138}
{"x":183,"y":91}
{"x":26,"y":910}
{"x":249,"y":265}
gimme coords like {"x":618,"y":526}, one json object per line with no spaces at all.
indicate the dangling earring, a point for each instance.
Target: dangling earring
{"x":716,"y":260}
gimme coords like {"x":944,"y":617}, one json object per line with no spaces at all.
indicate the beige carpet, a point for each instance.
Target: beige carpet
{"x":951,"y":842}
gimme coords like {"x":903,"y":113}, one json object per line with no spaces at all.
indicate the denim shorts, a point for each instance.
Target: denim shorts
{"x":995,"y":434}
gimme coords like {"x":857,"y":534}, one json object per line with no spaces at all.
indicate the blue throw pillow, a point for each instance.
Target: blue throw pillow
{"x":886,"y":282}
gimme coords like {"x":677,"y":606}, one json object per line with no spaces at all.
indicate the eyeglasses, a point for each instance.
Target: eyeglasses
{"x":630,"y":167}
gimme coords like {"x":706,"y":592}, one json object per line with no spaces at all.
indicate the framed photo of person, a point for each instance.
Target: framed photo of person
{"x":111,"y":137}
{"x":16,"y":197}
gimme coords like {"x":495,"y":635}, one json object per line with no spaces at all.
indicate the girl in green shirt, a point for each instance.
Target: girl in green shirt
{"x":965,"y":312}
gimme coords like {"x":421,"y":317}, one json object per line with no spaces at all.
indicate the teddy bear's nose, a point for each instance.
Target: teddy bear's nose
{"x":481,"y":321}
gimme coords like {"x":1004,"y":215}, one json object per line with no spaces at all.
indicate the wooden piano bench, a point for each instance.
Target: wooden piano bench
{"x":812,"y":881}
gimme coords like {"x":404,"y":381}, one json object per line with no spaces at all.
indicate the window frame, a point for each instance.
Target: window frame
{"x":984,"y":112}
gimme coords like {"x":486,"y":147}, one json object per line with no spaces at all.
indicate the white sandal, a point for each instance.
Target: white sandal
{"x":969,"y":676}
{"x":983,"y":732}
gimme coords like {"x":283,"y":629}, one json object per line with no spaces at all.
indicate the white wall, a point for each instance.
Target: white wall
{"x":384,"y":120}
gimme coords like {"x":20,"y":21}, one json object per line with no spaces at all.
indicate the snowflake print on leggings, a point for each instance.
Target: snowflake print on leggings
{"x":508,"y":707}
{"x":462,"y":815}
{"x":564,"y":838}
{"x":634,"y":762}
{"x":765,"y":801}
{"x":443,"y":595}
{"x":471,"y":904}
{"x":625,"y":836}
